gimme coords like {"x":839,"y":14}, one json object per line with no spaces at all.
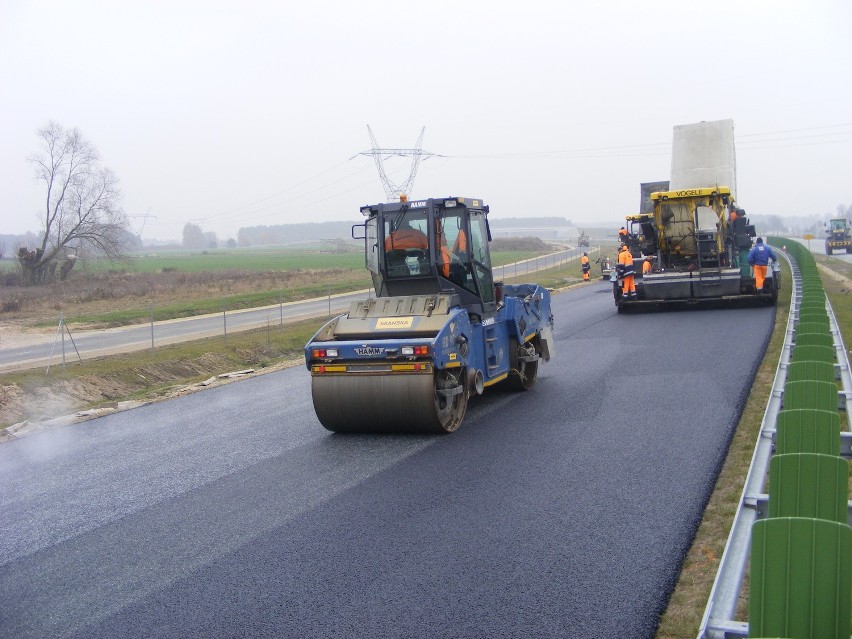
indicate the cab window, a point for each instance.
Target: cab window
{"x":481,"y":256}
{"x":406,"y":244}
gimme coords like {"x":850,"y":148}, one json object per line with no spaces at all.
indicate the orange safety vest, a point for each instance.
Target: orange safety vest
{"x":460,"y":245}
{"x":625,"y":263}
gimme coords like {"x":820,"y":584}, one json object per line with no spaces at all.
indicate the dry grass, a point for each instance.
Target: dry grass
{"x":36,"y":395}
{"x":101,"y":294}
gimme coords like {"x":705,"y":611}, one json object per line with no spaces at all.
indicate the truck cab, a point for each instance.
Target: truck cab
{"x":438,"y":245}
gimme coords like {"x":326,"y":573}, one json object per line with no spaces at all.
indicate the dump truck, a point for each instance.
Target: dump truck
{"x":839,"y":236}
{"x":438,"y":331}
{"x":697,"y":237}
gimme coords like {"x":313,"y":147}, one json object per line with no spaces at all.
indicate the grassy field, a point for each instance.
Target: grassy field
{"x":178,"y":284}
{"x":261,"y":259}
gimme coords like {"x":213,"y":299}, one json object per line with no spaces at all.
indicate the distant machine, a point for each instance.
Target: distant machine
{"x":838,"y":236}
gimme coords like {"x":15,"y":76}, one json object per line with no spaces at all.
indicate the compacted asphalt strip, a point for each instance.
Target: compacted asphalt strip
{"x":564,"y":511}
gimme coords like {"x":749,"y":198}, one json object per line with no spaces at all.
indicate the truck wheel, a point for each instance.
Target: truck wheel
{"x":523,"y":362}
{"x":449,"y":411}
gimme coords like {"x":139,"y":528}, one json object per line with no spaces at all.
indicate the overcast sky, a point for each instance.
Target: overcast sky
{"x":231,"y":114}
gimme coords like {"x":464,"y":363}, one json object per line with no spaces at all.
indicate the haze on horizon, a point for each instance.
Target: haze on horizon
{"x":229,"y":115}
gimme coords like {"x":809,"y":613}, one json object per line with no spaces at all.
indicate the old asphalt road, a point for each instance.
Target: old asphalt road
{"x":139,"y":337}
{"x":561,"y":512}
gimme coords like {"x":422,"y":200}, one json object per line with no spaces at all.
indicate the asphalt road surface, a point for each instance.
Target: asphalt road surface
{"x":561,"y":512}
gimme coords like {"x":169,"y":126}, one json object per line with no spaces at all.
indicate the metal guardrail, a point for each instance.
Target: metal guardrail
{"x":540,"y":263}
{"x":718,"y":621}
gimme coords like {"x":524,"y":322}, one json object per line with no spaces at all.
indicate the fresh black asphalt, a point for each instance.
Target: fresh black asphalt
{"x":561,"y":512}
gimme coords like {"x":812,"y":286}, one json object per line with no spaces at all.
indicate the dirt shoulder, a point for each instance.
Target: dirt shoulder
{"x":16,"y":334}
{"x":29,"y":410}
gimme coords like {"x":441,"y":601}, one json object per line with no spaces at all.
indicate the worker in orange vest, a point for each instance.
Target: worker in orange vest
{"x":648,"y":264}
{"x":585,"y":266}
{"x":626,"y":273}
{"x":622,"y":234}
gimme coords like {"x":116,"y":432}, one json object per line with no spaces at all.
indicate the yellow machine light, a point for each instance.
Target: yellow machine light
{"x":449,"y":203}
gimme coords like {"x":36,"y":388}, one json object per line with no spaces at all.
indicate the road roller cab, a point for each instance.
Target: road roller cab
{"x":438,"y":329}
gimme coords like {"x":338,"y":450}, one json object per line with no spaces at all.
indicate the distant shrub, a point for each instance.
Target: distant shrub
{"x":11,"y":278}
{"x":11,"y":305}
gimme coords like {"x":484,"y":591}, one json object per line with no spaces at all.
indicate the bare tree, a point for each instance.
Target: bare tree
{"x":82,"y":207}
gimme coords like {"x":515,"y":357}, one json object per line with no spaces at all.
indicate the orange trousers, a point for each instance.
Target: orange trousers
{"x":759,"y":276}
{"x":628,"y":285}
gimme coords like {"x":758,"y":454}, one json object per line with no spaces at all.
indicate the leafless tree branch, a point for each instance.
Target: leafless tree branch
{"x":82,"y":206}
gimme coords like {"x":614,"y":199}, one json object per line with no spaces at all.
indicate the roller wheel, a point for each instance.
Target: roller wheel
{"x":390,"y":403}
{"x":524,"y":369}
{"x":449,"y":411}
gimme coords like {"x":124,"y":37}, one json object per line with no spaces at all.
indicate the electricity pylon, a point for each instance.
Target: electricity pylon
{"x":417,"y":154}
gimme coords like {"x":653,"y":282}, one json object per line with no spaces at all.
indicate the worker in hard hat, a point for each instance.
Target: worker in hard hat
{"x":585,"y":266}
{"x":648,"y":264}
{"x":759,"y":257}
{"x":626,"y":273}
{"x":622,"y":234}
